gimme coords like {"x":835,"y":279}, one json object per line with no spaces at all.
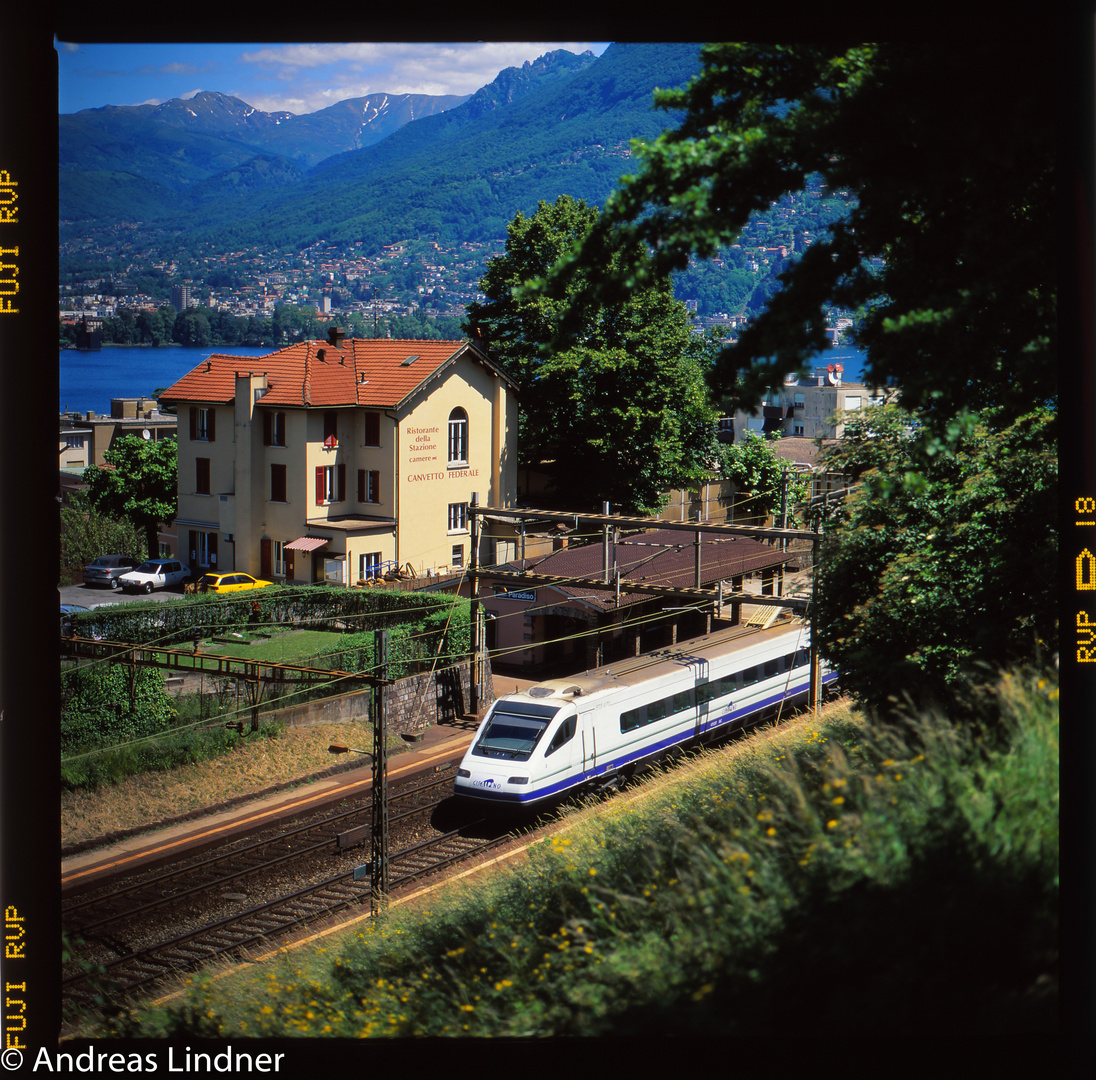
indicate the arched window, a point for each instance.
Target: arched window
{"x":458,"y":437}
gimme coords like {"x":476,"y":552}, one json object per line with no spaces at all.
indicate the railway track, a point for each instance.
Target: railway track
{"x":142,"y":932}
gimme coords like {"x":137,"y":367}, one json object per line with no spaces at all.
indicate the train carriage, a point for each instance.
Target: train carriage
{"x":593,"y":730}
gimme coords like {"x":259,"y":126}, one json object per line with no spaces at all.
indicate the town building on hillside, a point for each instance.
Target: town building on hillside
{"x":180,"y":297}
{"x":86,"y":436}
{"x":807,"y":406}
{"x":341,"y":460}
{"x":582,"y":621}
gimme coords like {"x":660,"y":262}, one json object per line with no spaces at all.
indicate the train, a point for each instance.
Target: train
{"x":592,"y":731}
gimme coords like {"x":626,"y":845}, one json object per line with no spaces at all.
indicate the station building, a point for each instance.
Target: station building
{"x":537,"y":627}
{"x":341,"y":460}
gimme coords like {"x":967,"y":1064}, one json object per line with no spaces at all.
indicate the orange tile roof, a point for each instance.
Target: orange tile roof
{"x":315,"y":373}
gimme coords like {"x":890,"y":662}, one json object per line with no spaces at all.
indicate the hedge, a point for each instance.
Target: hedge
{"x":178,"y":622}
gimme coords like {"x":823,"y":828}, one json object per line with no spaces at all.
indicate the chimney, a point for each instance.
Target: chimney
{"x":335,"y":335}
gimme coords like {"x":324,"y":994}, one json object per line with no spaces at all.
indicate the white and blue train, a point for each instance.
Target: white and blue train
{"x":594,"y":730}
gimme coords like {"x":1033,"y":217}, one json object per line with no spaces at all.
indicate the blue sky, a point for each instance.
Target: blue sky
{"x":299,"y":78}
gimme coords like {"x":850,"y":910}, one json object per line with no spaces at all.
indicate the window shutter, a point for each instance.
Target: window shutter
{"x":319,"y":485}
{"x":193,"y":422}
{"x":264,"y":556}
{"x":213,"y":549}
{"x":193,"y":546}
{"x":267,"y":427}
{"x":361,"y":485}
{"x":372,"y":429}
{"x":375,"y":484}
{"x":340,"y":493}
{"x":211,"y":424}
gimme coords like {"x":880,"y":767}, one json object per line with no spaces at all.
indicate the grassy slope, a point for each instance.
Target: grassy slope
{"x":824,"y":875}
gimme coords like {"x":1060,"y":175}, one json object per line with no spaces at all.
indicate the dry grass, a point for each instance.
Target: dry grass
{"x":262,"y":763}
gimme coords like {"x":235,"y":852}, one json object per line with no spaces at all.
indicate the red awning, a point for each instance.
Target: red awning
{"x":307,"y":543}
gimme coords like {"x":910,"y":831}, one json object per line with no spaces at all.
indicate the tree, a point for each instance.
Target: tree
{"x":950,"y":158}
{"x":140,"y":483}
{"x":108,"y":705}
{"x":622,"y":414}
{"x":86,"y":534}
{"x":941,"y":561}
{"x":946,"y":250}
{"x":762,"y":480}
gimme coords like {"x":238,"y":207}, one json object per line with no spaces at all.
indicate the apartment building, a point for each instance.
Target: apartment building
{"x":339,"y":460}
{"x":807,"y":406}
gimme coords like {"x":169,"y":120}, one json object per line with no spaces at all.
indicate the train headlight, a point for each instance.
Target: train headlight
{"x":518,"y":780}
{"x":463,"y":772}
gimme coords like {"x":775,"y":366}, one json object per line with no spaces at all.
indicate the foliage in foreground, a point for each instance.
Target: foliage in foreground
{"x":824,"y":876}
{"x":945,"y":559}
{"x":958,"y":310}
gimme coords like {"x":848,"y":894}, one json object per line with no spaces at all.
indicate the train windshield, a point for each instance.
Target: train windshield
{"x":514,"y":729}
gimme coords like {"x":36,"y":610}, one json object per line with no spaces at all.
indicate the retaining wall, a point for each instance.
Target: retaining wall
{"x":411,"y":705}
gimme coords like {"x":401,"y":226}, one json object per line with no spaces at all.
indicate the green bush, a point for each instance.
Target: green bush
{"x":87,"y":534}
{"x":182,"y":747}
{"x":102,"y":705}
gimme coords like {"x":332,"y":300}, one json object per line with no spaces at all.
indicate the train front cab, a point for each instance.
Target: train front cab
{"x":523,"y":753}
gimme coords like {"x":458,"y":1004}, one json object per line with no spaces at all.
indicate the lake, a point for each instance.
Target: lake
{"x":88,"y":380}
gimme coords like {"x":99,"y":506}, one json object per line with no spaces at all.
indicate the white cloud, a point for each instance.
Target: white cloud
{"x":322,"y":74}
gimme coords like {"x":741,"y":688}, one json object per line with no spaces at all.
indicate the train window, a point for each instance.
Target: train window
{"x":667,"y":706}
{"x":772,"y":667}
{"x":802,"y":657}
{"x":564,"y":734}
{"x":789,"y":662}
{"x":514,"y":729}
{"x":749,"y":676}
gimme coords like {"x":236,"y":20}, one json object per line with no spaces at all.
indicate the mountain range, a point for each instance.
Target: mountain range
{"x":374,"y":169}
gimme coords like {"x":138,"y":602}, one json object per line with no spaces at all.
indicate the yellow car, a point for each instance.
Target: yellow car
{"x":234,"y":582}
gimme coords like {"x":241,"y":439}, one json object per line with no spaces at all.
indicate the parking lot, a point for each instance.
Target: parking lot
{"x":91,"y":596}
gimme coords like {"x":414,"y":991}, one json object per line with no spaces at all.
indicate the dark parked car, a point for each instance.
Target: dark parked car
{"x":107,"y":569}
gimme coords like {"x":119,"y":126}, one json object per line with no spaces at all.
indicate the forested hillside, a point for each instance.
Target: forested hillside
{"x":564,"y":125}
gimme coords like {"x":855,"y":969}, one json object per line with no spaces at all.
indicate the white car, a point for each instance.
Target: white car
{"x":154,"y":574}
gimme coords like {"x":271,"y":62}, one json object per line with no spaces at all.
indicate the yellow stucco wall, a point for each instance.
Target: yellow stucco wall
{"x":417,"y":481}
{"x":429,"y":483}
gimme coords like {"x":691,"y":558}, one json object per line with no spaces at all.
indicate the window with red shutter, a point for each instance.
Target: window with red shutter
{"x":277,"y":483}
{"x":372,"y":429}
